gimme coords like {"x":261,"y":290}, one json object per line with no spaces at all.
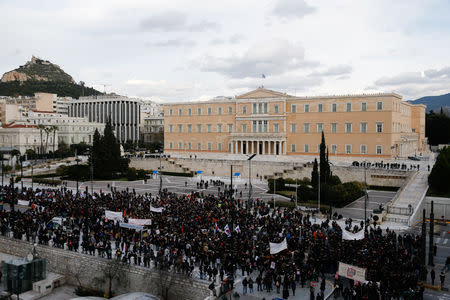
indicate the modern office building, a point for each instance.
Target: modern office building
{"x":267,"y":122}
{"x":124,"y":113}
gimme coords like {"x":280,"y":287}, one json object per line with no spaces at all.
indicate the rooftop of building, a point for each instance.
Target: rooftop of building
{"x":261,"y":93}
{"x":108,"y":97}
{"x":17,"y":124}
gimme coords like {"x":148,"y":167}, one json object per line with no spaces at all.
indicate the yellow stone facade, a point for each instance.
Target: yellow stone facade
{"x":267,"y":122}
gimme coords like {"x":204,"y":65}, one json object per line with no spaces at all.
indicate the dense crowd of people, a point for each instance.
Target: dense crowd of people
{"x":217,"y":238}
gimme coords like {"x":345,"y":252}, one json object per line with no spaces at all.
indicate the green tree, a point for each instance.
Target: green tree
{"x":106,"y":157}
{"x":437,"y":128}
{"x":54,"y":128}
{"x":438,"y":178}
{"x":41,"y":131}
{"x":315,"y":175}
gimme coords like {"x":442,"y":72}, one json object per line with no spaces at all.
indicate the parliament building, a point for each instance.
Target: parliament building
{"x":267,"y":122}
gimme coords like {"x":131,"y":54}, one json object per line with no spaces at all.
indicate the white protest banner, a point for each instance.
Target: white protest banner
{"x":278,"y":247}
{"x":156,"y":209}
{"x":23,"y":202}
{"x":131,"y":226}
{"x":140,"y":222}
{"x":352,"y":272}
{"x":112,"y":215}
{"x":57,"y":220}
{"x":347,"y":235}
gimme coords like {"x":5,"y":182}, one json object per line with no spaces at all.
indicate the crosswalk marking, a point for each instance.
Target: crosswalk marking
{"x":445,"y":241}
{"x":438,"y":240}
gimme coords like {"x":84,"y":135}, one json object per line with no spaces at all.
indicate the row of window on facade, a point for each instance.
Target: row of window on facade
{"x":262,"y":126}
{"x":306,"y":148}
{"x":334,"y":149}
{"x":263,"y":108}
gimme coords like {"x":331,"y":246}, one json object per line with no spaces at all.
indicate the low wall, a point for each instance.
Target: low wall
{"x":221,"y":168}
{"x":441,"y":207}
{"x":88,"y":267}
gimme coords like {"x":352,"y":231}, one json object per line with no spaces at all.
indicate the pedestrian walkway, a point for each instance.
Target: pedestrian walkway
{"x":408,"y":198}
{"x":300,"y":293}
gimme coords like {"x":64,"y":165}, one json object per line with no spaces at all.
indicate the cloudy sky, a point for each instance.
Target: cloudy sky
{"x":186,"y":50}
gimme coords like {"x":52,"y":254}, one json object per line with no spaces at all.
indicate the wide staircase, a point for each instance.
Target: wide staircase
{"x":408,"y":199}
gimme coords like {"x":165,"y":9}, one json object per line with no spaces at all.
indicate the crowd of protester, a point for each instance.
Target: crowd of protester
{"x":217,"y":238}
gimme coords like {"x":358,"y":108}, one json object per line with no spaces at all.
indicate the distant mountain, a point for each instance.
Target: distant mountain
{"x":39,"y":75}
{"x":434,"y":102}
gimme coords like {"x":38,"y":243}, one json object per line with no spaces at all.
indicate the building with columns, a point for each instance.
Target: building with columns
{"x":267,"y":122}
{"x":124,"y":112}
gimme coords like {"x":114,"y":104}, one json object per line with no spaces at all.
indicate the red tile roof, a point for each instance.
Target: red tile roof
{"x":14,"y":125}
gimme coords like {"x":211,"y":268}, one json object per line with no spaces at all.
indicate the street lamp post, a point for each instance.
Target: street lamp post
{"x":365,"y":195}
{"x":160,"y":175}
{"x":21,"y":173}
{"x":2,"y":169}
{"x":76,"y":159}
{"x":274,"y":192}
{"x":92,"y":172}
{"x":250,"y":188}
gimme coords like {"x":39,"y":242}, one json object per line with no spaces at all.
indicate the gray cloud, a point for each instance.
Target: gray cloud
{"x":416,"y":84}
{"x":292,"y":9}
{"x":175,"y":21}
{"x":339,"y":70}
{"x":287,"y":82}
{"x":434,"y":73}
{"x":236,"y":38}
{"x":402,"y":78}
{"x":203,"y":26}
{"x":271,"y":57}
{"x":179,"y":42}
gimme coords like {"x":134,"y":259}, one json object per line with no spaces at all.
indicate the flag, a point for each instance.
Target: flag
{"x":217,"y":229}
{"x":237,"y":229}
{"x":227,"y":230}
{"x":263,"y":76}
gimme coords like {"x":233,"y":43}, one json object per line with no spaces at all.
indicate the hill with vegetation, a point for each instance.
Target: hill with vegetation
{"x":40,"y":75}
{"x":434,"y":103}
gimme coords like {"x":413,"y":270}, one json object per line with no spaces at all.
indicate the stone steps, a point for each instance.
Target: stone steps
{"x":396,"y":218}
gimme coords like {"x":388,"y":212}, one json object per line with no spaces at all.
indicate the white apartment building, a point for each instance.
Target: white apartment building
{"x":71,"y":130}
{"x":22,"y":136}
{"x":124,"y":112}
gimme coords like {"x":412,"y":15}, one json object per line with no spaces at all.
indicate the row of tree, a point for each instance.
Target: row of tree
{"x":332,"y":191}
{"x":438,"y":178}
{"x":437,"y":128}
{"x":62,"y":89}
{"x":47,"y":129}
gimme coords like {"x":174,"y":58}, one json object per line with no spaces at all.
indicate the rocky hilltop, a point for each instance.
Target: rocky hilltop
{"x":37,"y":70}
{"x":40,"y":75}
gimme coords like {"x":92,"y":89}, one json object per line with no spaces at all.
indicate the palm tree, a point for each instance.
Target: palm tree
{"x":54,"y":128}
{"x":41,"y":128}
{"x":47,"y":131}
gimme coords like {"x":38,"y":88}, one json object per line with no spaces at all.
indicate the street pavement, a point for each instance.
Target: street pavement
{"x":355,"y":210}
{"x":176,"y":184}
